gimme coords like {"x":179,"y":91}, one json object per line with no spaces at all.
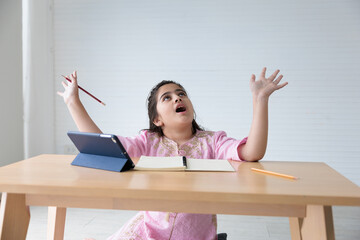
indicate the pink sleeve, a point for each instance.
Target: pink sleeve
{"x":135,"y":146}
{"x":226,"y":147}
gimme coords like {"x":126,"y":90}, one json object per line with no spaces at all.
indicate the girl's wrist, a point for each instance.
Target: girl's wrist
{"x":260,"y":98}
{"x":74,"y":101}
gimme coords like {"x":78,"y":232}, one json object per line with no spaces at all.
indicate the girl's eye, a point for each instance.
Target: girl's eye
{"x":166,"y":98}
{"x":181,"y":94}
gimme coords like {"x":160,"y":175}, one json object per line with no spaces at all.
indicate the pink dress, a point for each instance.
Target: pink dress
{"x":161,"y":225}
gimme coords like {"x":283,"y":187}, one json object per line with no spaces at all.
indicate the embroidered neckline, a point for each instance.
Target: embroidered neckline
{"x":166,"y":139}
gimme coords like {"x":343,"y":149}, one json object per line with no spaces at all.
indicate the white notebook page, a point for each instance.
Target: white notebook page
{"x":208,"y":165}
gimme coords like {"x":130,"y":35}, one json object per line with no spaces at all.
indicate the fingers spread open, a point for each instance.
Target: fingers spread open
{"x":73,"y":77}
{"x":263,"y":72}
{"x":278,"y":79}
{"x":281,"y":85}
{"x":273,"y":76}
{"x":253,"y":77}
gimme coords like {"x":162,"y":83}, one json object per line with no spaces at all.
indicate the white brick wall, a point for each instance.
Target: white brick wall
{"x":11,"y":105}
{"x":122,"y":48}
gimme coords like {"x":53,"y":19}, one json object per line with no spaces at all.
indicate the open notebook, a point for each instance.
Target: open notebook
{"x":180,"y":163}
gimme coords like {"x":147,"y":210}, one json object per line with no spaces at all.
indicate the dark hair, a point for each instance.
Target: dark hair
{"x":152,"y":111}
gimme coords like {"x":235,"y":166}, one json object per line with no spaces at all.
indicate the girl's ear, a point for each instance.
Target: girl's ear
{"x":158,"y":122}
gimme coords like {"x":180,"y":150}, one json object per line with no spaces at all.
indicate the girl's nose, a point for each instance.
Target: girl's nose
{"x":178,"y":100}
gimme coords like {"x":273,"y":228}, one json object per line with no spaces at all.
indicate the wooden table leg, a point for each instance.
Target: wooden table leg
{"x":295,"y":228}
{"x":56,"y":223}
{"x":14,"y":217}
{"x":318,"y":224}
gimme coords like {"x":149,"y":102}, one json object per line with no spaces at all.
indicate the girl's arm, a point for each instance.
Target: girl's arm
{"x":255,"y":147}
{"x":77,"y":110}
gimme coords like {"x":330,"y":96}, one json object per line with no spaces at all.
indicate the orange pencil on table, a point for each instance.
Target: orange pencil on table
{"x":274,"y":173}
{"x":86,"y":91}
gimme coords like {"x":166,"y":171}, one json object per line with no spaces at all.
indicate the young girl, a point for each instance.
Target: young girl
{"x":173,"y":131}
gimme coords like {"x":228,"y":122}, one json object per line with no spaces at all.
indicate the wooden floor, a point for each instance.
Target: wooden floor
{"x":99,"y":224}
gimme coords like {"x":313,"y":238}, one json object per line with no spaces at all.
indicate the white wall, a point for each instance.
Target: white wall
{"x":38,"y":77}
{"x":122,"y":48}
{"x":11,"y":105}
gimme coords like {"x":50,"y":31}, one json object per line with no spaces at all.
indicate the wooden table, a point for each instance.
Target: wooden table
{"x":50,"y":180}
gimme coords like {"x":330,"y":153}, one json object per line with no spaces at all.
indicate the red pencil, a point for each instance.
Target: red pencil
{"x":86,"y":91}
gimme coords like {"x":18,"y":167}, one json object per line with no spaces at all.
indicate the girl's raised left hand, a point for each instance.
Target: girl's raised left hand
{"x":263,"y":87}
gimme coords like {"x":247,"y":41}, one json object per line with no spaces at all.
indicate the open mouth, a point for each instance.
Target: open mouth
{"x":180,"y":109}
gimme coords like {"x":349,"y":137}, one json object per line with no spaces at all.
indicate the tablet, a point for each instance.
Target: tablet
{"x":101,"y":151}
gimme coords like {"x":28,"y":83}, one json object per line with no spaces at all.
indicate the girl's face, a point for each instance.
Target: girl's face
{"x":174,"y":108}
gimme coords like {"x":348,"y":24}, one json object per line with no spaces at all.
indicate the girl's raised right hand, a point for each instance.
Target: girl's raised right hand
{"x":71,"y":92}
